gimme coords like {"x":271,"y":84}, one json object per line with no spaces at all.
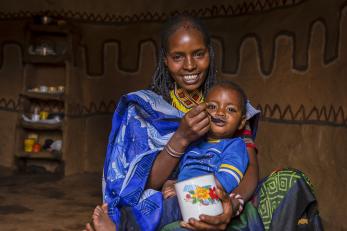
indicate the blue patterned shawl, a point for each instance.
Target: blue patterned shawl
{"x":142,"y":124}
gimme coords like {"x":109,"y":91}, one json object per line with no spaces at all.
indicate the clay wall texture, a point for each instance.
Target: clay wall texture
{"x":289,"y":56}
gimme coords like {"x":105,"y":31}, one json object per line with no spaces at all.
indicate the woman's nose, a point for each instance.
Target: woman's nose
{"x":189,"y":63}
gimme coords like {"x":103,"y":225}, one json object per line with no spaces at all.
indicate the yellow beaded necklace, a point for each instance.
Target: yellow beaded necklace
{"x":184,"y":101}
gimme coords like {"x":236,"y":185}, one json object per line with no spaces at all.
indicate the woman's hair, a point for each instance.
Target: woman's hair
{"x":162,"y":82}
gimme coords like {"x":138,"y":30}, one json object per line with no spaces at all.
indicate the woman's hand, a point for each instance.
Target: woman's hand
{"x":194,"y":125}
{"x":219,"y":222}
{"x":168,"y":189}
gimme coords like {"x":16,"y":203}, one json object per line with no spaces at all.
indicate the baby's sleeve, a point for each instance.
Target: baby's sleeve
{"x":233,"y":164}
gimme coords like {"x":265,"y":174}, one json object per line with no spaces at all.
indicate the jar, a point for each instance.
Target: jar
{"x":28,"y":144}
{"x":36,"y":147}
{"x":33,"y":136}
{"x":43,"y":115}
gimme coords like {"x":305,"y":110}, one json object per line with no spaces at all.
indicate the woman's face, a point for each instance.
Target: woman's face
{"x":187,"y":58}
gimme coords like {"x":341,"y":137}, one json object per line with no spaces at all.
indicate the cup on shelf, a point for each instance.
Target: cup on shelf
{"x":34,"y":136}
{"x":36,"y":147}
{"x":56,"y":145}
{"x":43,"y":115}
{"x":43,"y":88}
{"x":28,"y":144}
{"x":35,"y":89}
{"x":198,"y":196}
{"x":61,"y":89}
{"x":46,"y":19}
{"x":52,"y":89}
{"x":35,"y":117}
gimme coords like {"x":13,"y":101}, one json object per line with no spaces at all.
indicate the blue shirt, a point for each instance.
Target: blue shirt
{"x":227,"y":159}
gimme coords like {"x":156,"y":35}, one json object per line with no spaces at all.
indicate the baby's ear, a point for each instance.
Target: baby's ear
{"x":242,"y":123}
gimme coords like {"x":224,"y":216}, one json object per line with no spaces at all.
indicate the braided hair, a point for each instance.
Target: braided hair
{"x":162,"y":82}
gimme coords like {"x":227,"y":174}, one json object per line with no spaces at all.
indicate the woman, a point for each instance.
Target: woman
{"x":137,"y":165}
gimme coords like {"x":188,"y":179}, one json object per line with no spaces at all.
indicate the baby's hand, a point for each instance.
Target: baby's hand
{"x":168,"y":189}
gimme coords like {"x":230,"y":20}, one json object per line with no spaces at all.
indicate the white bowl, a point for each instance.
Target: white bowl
{"x":197,"y":196}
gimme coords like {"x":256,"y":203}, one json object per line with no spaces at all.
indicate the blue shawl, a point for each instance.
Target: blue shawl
{"x":141,"y":126}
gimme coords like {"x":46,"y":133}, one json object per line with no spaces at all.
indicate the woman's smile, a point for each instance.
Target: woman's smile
{"x":191,"y":78}
{"x":187,"y":58}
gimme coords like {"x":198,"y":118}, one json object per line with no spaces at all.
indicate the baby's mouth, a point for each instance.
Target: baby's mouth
{"x":218,"y":120}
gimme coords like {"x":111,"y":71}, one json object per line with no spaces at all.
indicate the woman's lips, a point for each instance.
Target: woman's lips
{"x":191,"y":78}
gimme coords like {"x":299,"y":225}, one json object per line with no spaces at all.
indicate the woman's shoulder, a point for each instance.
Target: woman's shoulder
{"x":251,"y":111}
{"x":143,"y":92}
{"x":150,"y":100}
{"x":146,"y":95}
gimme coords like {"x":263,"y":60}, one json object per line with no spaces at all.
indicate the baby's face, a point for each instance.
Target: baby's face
{"x":224,"y":108}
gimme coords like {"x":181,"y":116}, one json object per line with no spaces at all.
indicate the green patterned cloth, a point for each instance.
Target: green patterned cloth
{"x":248,"y":218}
{"x":271,"y":192}
{"x":273,"y":189}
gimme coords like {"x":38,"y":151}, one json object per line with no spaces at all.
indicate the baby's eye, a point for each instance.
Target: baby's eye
{"x":231,"y":109}
{"x":211,"y":107}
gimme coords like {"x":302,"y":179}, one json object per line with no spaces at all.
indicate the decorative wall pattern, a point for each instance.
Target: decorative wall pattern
{"x":245,"y":7}
{"x":10,"y":105}
{"x":299,"y":29}
{"x":325,"y":115}
{"x":327,"y":13}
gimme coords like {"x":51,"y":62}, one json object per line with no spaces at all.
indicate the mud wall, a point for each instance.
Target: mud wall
{"x":289,"y":56}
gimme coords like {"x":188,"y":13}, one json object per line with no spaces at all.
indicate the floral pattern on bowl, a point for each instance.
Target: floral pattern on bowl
{"x":204,"y":195}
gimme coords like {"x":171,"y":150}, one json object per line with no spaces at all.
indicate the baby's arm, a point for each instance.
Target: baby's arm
{"x":233,"y":165}
{"x":168,"y":189}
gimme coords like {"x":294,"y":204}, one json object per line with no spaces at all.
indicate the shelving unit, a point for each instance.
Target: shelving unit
{"x":48,"y":64}
{"x":43,"y":96}
{"x":41,"y":125}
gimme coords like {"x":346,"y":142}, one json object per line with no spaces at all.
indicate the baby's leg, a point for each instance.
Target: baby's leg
{"x":101,"y":220}
{"x":171,"y":212}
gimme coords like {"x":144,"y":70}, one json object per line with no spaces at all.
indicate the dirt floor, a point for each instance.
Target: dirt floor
{"x":47,"y":202}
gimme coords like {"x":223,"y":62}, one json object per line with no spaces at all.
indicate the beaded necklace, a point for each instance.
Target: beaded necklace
{"x":184,"y":101}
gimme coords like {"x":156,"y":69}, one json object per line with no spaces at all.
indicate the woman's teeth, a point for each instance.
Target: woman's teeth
{"x":190,"y":78}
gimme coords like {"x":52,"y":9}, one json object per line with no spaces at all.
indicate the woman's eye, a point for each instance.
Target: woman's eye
{"x":199,"y":54}
{"x":177,"y":57}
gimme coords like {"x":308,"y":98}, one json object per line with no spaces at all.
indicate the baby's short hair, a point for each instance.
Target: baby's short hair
{"x":231,"y":85}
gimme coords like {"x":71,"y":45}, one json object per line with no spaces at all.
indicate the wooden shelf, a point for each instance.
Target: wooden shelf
{"x":49,"y":28}
{"x":41,"y":125}
{"x":44,"y":96}
{"x":51,"y":67}
{"x":40,"y":155}
{"x":47,"y":59}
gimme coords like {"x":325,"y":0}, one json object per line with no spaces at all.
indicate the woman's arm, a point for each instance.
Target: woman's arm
{"x":193,"y":125}
{"x":248,"y":184}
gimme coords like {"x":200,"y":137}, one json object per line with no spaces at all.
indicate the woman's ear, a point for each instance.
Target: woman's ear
{"x":165,"y":60}
{"x":242,"y":122}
